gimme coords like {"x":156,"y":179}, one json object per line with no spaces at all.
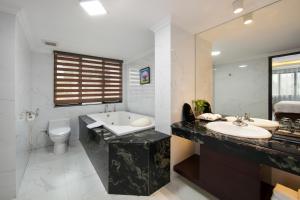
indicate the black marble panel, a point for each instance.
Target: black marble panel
{"x":134,"y":164}
{"x":279,"y":154}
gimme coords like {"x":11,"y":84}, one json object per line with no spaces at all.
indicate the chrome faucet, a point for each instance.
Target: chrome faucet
{"x":106,"y":108}
{"x":248,"y":118}
{"x":239,"y":121}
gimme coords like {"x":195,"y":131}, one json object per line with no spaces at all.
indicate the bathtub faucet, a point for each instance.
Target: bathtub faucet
{"x":106,"y":108}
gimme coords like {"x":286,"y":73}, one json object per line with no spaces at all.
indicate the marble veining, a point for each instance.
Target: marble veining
{"x":71,"y":176}
{"x":273,"y":152}
{"x":133,"y":164}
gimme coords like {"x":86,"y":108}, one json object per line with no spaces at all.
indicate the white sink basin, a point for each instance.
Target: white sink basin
{"x":228,"y":128}
{"x":263,"y":123}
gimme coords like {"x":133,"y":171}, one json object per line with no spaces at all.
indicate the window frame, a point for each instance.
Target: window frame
{"x":105,"y":75}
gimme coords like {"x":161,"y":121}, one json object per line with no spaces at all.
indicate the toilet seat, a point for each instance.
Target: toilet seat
{"x":60,"y":131}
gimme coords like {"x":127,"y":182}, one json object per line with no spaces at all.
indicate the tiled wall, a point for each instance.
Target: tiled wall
{"x":42,"y":98}
{"x":7,"y":107}
{"x":140,"y":98}
{"x":244,"y":90}
{"x":23,"y":101}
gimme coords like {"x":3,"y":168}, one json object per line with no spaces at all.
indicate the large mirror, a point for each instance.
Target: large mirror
{"x":254,"y":62}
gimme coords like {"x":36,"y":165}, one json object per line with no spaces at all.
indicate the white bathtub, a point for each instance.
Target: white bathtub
{"x":120,"y":123}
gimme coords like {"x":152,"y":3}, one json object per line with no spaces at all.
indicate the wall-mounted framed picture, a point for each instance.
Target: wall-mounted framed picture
{"x":145,"y":76}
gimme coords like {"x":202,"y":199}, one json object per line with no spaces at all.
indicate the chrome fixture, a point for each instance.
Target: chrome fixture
{"x":106,"y":108}
{"x":239,"y":122}
{"x":248,"y":118}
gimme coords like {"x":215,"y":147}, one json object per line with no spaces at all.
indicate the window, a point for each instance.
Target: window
{"x":275,"y":83}
{"x":287,"y":84}
{"x":81,"y":79}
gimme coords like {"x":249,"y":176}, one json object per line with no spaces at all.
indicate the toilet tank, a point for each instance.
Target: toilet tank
{"x":59,"y":123}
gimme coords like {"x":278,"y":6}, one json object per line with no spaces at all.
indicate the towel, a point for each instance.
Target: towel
{"x":281,"y":192}
{"x":210,"y":116}
{"x":95,"y":124}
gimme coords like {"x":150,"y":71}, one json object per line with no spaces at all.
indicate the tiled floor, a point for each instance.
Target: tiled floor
{"x":72,"y":177}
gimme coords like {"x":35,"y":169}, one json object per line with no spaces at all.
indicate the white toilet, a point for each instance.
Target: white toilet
{"x":59,"y":132}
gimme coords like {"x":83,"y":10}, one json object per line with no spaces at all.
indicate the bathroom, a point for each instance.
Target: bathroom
{"x":161,"y":55}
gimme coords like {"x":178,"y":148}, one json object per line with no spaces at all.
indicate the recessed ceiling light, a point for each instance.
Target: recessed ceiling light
{"x":243,"y":66}
{"x":93,"y":7}
{"x":215,"y":53}
{"x":248,"y":19}
{"x":238,"y":6}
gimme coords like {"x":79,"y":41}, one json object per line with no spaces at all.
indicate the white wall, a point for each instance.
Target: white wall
{"x":163,"y":77}
{"x":182,"y":87}
{"x":174,"y":83}
{"x":22,"y":101}
{"x":141,"y":98}
{"x":239,"y":90}
{"x":42,"y":98}
{"x":204,"y":70}
{"x":7,"y":107}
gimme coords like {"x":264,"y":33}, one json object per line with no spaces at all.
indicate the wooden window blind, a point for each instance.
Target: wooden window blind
{"x":81,"y":79}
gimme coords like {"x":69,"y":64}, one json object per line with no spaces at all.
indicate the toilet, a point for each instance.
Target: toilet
{"x":59,"y":132}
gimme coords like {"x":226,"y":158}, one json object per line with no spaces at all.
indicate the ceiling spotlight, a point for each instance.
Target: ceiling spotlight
{"x":243,"y":66}
{"x":215,"y":53}
{"x":93,"y":7}
{"x":238,"y":6}
{"x":248,"y":19}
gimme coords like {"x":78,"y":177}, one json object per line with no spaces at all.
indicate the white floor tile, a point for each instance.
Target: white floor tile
{"x":71,"y":176}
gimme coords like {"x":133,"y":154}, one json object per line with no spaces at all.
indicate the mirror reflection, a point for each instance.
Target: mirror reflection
{"x":255,"y":62}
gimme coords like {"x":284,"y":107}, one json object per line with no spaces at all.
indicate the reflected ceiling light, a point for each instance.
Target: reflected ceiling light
{"x":238,"y":6}
{"x":215,"y":53}
{"x":93,"y":7}
{"x":248,"y":19}
{"x":243,"y":66}
{"x":283,"y":63}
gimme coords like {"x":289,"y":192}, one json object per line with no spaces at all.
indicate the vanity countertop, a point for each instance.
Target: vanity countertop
{"x":273,"y":152}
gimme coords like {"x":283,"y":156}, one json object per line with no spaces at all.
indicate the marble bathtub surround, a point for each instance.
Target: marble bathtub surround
{"x":135,"y":164}
{"x":71,"y":176}
{"x":276,"y":153}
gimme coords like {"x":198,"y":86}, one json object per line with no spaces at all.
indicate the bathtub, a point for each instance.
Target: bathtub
{"x":121,"y":122}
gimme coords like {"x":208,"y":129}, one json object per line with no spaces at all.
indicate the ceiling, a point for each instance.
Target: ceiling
{"x":276,"y":29}
{"x":125,"y":32}
{"x":122,"y":34}
{"x":196,"y":16}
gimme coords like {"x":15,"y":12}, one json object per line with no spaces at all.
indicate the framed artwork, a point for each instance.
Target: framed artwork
{"x":145,"y":76}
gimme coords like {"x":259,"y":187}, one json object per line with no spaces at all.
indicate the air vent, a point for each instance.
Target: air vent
{"x":52,"y":44}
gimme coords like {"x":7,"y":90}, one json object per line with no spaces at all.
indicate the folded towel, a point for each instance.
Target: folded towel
{"x":210,"y":116}
{"x":95,"y":124}
{"x":281,"y":192}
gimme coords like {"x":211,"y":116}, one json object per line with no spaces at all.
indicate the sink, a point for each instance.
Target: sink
{"x":228,"y":128}
{"x":263,"y":123}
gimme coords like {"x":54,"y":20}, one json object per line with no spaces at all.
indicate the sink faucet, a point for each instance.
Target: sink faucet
{"x":239,"y":121}
{"x":247,"y":117}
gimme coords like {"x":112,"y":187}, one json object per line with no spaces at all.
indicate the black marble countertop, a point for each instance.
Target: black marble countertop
{"x":277,"y":153}
{"x":146,"y":136}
